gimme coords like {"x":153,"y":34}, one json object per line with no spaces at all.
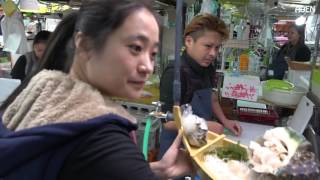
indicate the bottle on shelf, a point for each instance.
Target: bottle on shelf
{"x":244,"y":61}
{"x":235,"y":67}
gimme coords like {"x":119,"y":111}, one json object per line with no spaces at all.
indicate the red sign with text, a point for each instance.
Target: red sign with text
{"x":241,"y":87}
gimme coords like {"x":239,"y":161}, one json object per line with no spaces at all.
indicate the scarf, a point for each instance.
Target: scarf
{"x":54,"y":97}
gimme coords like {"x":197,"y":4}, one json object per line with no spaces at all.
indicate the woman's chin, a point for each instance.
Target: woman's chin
{"x":134,"y":95}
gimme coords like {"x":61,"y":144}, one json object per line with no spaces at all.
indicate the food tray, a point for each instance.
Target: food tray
{"x":257,"y":115}
{"x":213,"y":141}
{"x":199,"y":158}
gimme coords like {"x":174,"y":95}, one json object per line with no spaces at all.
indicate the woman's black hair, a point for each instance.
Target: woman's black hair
{"x":301,"y":31}
{"x":96,"y":19}
{"x":41,"y":37}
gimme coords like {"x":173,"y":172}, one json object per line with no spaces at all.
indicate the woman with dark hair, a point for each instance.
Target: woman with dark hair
{"x":29,"y":62}
{"x":61,"y":123}
{"x":294,"y":50}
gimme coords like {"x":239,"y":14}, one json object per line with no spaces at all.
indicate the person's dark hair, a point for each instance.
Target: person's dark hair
{"x":206,"y":22}
{"x":41,"y":37}
{"x":300,"y":29}
{"x":96,"y":19}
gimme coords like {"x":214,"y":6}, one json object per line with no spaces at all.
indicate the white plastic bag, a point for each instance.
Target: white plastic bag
{"x":14,"y":37}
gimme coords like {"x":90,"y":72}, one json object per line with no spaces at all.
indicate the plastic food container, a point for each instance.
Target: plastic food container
{"x":282,"y":92}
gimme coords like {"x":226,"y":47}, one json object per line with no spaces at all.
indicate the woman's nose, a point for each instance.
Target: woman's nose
{"x":146,"y":65}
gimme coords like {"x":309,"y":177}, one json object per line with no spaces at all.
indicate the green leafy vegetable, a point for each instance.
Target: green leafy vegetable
{"x":231,"y":152}
{"x":293,"y":135}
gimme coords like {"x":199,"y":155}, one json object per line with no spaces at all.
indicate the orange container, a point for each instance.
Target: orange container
{"x":243,"y":62}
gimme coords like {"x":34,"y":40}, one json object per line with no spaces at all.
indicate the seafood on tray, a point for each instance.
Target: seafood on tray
{"x":194,"y":127}
{"x":283,"y":153}
{"x":228,"y":162}
{"x":232,"y":169}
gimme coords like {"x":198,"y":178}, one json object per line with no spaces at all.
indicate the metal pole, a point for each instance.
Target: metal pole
{"x":178,"y":44}
{"x":316,"y":45}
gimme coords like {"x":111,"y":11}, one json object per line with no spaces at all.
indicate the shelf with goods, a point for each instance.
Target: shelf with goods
{"x":246,"y":23}
{"x":246,"y":46}
{"x":249,"y":53}
{"x":230,"y":46}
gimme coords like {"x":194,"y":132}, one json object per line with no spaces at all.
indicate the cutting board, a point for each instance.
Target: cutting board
{"x":299,"y":121}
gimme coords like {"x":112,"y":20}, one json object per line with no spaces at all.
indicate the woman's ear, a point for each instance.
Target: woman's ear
{"x":188,"y":41}
{"x":82,"y":45}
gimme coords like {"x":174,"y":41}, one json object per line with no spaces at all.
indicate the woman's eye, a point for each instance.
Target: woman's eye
{"x":135,"y":49}
{"x":153,"y":56}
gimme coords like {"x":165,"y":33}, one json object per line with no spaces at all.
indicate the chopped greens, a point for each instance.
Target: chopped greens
{"x":231,"y":152}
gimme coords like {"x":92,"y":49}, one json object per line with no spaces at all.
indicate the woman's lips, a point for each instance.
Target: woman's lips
{"x":139,"y":84}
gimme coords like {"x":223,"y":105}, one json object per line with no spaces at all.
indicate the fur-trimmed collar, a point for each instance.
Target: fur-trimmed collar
{"x":54,"y":97}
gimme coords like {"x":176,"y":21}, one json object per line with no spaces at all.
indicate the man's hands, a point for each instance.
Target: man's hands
{"x":233,"y":125}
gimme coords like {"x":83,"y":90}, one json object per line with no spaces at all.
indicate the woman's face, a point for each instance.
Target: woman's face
{"x":293,"y":36}
{"x":124,"y":64}
{"x":38,"y":49}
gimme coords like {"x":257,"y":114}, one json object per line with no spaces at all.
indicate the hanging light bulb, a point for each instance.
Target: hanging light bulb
{"x":300,"y":20}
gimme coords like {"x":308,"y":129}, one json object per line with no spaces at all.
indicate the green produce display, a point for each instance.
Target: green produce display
{"x":278,"y":84}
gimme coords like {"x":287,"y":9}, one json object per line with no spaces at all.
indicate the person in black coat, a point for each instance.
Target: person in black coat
{"x":294,"y":50}
{"x":27,"y":63}
{"x":203,"y":38}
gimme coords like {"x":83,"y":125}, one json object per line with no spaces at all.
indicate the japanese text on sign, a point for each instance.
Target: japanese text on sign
{"x":241,"y":88}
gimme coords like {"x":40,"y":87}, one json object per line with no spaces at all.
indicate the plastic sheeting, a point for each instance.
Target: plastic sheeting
{"x":14,"y":38}
{"x":209,"y":7}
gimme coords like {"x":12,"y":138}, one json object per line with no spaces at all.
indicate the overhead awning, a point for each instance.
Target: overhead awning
{"x":34,"y":6}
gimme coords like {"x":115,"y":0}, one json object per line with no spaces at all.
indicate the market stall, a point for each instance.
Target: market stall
{"x":256,"y":104}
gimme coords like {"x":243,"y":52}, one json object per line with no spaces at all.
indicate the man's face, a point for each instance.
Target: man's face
{"x":205,"y":49}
